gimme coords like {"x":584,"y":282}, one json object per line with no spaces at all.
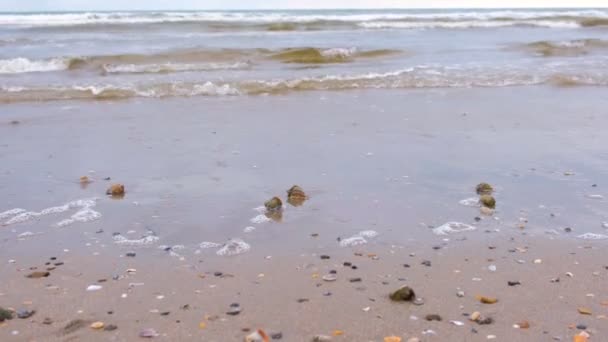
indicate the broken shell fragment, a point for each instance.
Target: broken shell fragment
{"x":487,"y":300}
{"x":392,"y":339}
{"x":585,"y":311}
{"x":257,"y":336}
{"x":403,"y":294}
{"x":487,"y":201}
{"x":475,"y":316}
{"x":484,"y":189}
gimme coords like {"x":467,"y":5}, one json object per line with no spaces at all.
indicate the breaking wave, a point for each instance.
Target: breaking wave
{"x":410,"y":78}
{"x":331,"y":55}
{"x":566,"y":48}
{"x":315,"y":20}
{"x":23,"y":65}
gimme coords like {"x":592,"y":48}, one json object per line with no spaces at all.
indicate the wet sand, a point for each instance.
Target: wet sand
{"x":394,"y":162}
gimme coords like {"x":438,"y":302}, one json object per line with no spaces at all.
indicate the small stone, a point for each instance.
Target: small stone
{"x":347,"y":264}
{"x":276,"y":336}
{"x":47,"y":321}
{"x":488,"y":201}
{"x":513,"y":283}
{"x":426,"y":263}
{"x":485,"y":321}
{"x":116,"y":190}
{"x":538,"y":261}
{"x":148,"y":333}
{"x":273,"y":204}
{"x":321,"y":338}
{"x":218,"y":274}
{"x":484,"y":189}
{"x":475,"y":316}
{"x":38,"y":274}
{"x":84,"y":180}
{"x":23,"y":314}
{"x":130,"y":254}
{"x":94,"y":288}
{"x":568,"y":229}
{"x":355,"y":280}
{"x":404,"y":293}
{"x":581,"y":327}
{"x":73,"y":326}
{"x":97,"y":325}
{"x":165,"y":313}
{"x":460,"y":294}
{"x":235,"y":309}
{"x":303,"y":300}
{"x":569,"y":274}
{"x":296,"y":196}
{"x":433,"y":317}
{"x":110,"y":327}
{"x":492,"y":268}
{"x":324,"y":257}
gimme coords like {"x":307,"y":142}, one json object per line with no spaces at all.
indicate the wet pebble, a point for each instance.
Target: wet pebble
{"x":355,"y":280}
{"x":148,"y":333}
{"x":581,"y":327}
{"x":276,"y":336}
{"x":23,"y":314}
{"x":321,"y":338}
{"x":433,"y":317}
{"x":347,"y":264}
{"x":47,"y":321}
{"x":235,"y":309}
{"x":513,"y":283}
{"x":110,"y":327}
{"x":130,"y":254}
{"x":426,"y":263}
{"x":324,"y":257}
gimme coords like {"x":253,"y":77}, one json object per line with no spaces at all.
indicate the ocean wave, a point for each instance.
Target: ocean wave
{"x":297,"y":20}
{"x":329,"y":55}
{"x":410,"y":78}
{"x":24,"y":65}
{"x":468,"y":24}
{"x":566,"y":48}
{"x":172,"y":67}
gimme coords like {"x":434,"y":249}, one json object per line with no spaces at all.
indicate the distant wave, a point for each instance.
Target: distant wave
{"x":411,"y":78}
{"x":317,"y":20}
{"x":187,"y":60}
{"x":577,"y":47}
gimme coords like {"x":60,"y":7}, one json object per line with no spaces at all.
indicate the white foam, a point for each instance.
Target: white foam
{"x":85,"y":213}
{"x":358,"y":239}
{"x":595,"y":196}
{"x":207,"y":244}
{"x":470,"y":202}
{"x":24,"y":65}
{"x":453,"y":227}
{"x":234,"y":247}
{"x":249,"y":229}
{"x":172,"y":67}
{"x":605,"y":225}
{"x":148,"y":239}
{"x":593,"y":236}
{"x":12,"y":212}
{"x":338,"y":52}
{"x":260,"y":219}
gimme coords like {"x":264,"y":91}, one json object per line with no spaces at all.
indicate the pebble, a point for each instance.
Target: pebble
{"x":492,"y":268}
{"x":513,"y":283}
{"x":460,"y":294}
{"x":475,"y":316}
{"x":47,"y":321}
{"x":94,"y":287}
{"x":23,"y":314}
{"x":110,"y":327}
{"x":581,"y":327}
{"x":38,"y":274}
{"x":235,"y":309}
{"x":538,"y":261}
{"x":355,"y":280}
{"x":321,"y":338}
{"x":130,"y":254}
{"x":426,"y":263}
{"x":433,"y":317}
{"x":276,"y":336}
{"x":457,"y":323}
{"x":325,"y":257}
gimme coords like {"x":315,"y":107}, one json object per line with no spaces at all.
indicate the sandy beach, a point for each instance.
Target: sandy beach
{"x":382,"y":169}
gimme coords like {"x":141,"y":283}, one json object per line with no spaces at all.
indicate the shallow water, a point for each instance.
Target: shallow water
{"x":183,"y":54}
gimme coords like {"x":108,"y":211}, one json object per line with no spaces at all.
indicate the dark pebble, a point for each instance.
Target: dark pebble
{"x":107,"y":178}
{"x":23,"y":314}
{"x":166,"y":313}
{"x":110,"y":312}
{"x":50,"y":268}
{"x":354,"y":267}
{"x":333,"y":272}
{"x":99,"y":231}
{"x":218,"y":274}
{"x":347,"y":264}
{"x":567,"y":229}
{"x":433,"y":317}
{"x":513,"y":283}
{"x":581,"y":327}
{"x":436,"y":247}
{"x":276,"y":336}
{"x":53,"y":258}
{"x":324,"y":257}
{"x":477,"y":218}
{"x":58,"y":263}
{"x":486,"y":321}
{"x":185,"y":307}
{"x":110,"y":327}
{"x":303,"y":300}
{"x":406,"y":265}
{"x":47,"y":321}
{"x":426,"y":263}
{"x":47,"y":263}
{"x":130,"y":254}
{"x":354,"y":280}
{"x":327,"y":294}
